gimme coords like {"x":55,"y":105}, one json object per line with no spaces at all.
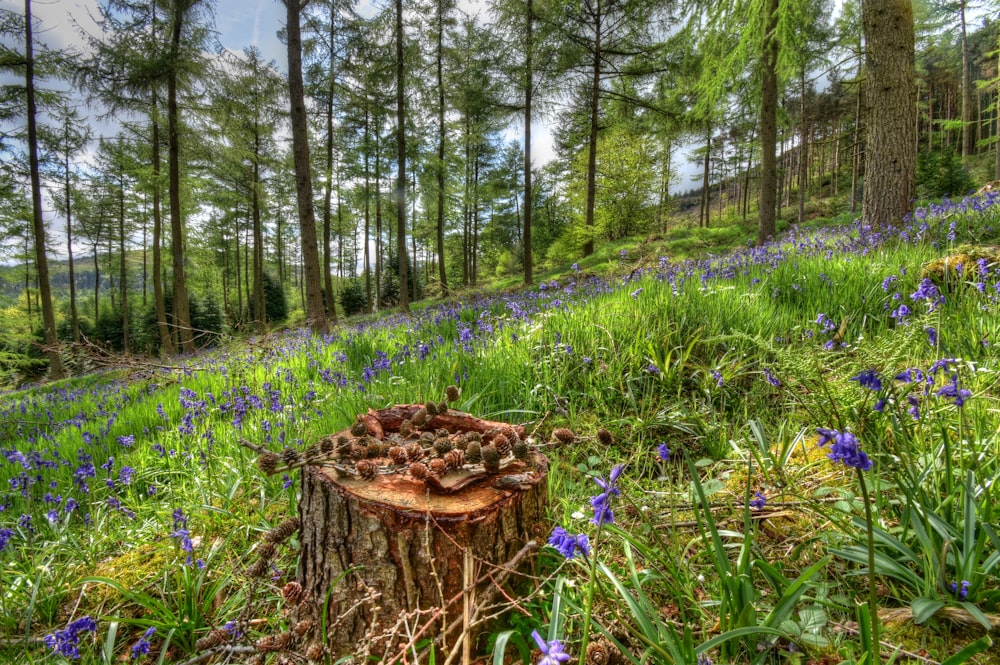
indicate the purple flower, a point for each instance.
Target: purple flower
{"x":900,"y":313}
{"x":932,"y":335}
{"x":141,"y":648}
{"x":717,"y":375}
{"x":771,"y":378}
{"x":844,"y":449}
{"x":635,"y":294}
{"x":66,"y":642}
{"x":868,"y":379}
{"x":286,"y":481}
{"x":5,"y":535}
{"x":126,"y":441}
{"x":664,"y":452}
{"x":602,"y":502}
{"x":953,"y":392}
{"x":960,"y":591}
{"x":759,"y":501}
{"x":125,"y":475}
{"x":568,"y":544}
{"x":552,"y":652}
{"x":879,"y":405}
{"x":926,"y":291}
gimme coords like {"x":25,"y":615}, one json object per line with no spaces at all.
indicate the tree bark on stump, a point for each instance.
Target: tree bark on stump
{"x":388,"y":563}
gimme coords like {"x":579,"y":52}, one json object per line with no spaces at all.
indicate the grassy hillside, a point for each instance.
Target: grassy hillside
{"x":127,"y":498}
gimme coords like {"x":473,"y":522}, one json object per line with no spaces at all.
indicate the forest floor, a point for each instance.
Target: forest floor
{"x":129,"y":504}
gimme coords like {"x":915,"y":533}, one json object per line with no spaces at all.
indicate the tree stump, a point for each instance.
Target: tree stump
{"x":392,"y":561}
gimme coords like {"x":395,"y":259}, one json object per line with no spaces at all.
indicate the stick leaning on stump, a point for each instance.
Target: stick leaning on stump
{"x":408,"y":519}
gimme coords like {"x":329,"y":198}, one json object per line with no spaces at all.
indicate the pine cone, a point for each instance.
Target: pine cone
{"x":601,"y":652}
{"x":563,"y":435}
{"x":604,"y":436}
{"x":272,"y":643}
{"x":452,"y":393}
{"x":290,"y":456}
{"x":303,"y":627}
{"x":359,"y":428}
{"x":437,"y":466}
{"x":268,"y":462}
{"x":418,"y":470}
{"x":520,"y":450}
{"x":358,"y":452}
{"x":267,"y":551}
{"x":398,"y":455}
{"x":419,"y":419}
{"x":442,"y":445}
{"x":292,"y":593}
{"x":315,"y":652}
{"x":283,"y":531}
{"x":258,"y":568}
{"x":431,"y":408}
{"x":367,"y":469}
{"x":491,"y":459}
{"x":474,"y":452}
{"x":502,"y":444}
{"x":213,"y":639}
{"x":406,"y":428}
{"x":454,"y":458}
{"x":327,"y":445}
{"x":414,"y":452}
{"x":442,"y":408}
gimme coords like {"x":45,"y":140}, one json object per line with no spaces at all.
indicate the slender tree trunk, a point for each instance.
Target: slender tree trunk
{"x":122,"y":275}
{"x":968,"y":129}
{"x":259,"y":304}
{"x":595,"y":107}
{"x":474,"y":258}
{"x":56,"y":370}
{"x":401,"y":255}
{"x":930,"y":118}
{"x":315,"y":313}
{"x":856,"y":155}
{"x":996,"y":112}
{"x":166,"y":341}
{"x":890,"y":156}
{"x":331,"y":307}
{"x":803,"y":147}
{"x":182,"y":315}
{"x":442,"y":272}
{"x":378,"y":214}
{"x":97,"y":284}
{"x":528,"y":92}
{"x":74,"y":315}
{"x":766,"y":227}
{"x":706,"y":189}
{"x":368,"y":198}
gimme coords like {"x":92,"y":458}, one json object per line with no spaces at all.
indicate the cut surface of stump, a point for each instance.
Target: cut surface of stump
{"x":391,"y":562}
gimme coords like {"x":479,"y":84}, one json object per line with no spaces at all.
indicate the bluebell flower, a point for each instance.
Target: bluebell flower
{"x":552,"y":652}
{"x":717,"y":375}
{"x":126,"y":441}
{"x":771,"y":378}
{"x":125,"y":475}
{"x":953,"y":392}
{"x":879,"y":405}
{"x":568,"y":544}
{"x":141,"y":648}
{"x":932,"y":335}
{"x":759,"y":501}
{"x":635,"y":294}
{"x":844,"y":449}
{"x":602,"y":502}
{"x":868,"y":379}
{"x":5,"y":535}
{"x":960,"y":591}
{"x":66,"y":642}
{"x":663,"y":452}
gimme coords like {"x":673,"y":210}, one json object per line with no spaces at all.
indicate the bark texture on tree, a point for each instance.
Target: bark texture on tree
{"x":387,"y":562}
{"x":315,"y":312}
{"x":766,"y":224}
{"x":890,"y":153}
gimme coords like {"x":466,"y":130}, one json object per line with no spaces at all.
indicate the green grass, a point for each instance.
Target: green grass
{"x":727,"y":361}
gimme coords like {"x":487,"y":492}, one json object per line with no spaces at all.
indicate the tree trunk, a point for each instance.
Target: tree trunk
{"x":56,"y":370}
{"x":439,"y":57}
{"x":401,"y":256}
{"x":259,"y":304}
{"x":706,"y":190}
{"x":856,"y":153}
{"x":368,"y":197}
{"x":315,"y":313}
{"x":996,"y":112}
{"x":331,"y":305}
{"x":968,"y":129}
{"x":889,"y":156}
{"x":74,"y":315}
{"x":182,"y":315}
{"x":595,"y":107}
{"x":387,"y":563}
{"x":123,"y":273}
{"x":528,"y":84}
{"x":766,"y":227}
{"x":803,"y":147}
{"x":166,"y":343}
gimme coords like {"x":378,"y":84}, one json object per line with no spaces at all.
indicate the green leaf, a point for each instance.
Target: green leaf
{"x":979,"y":646}
{"x":924,"y":608}
{"x":500,"y":647}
